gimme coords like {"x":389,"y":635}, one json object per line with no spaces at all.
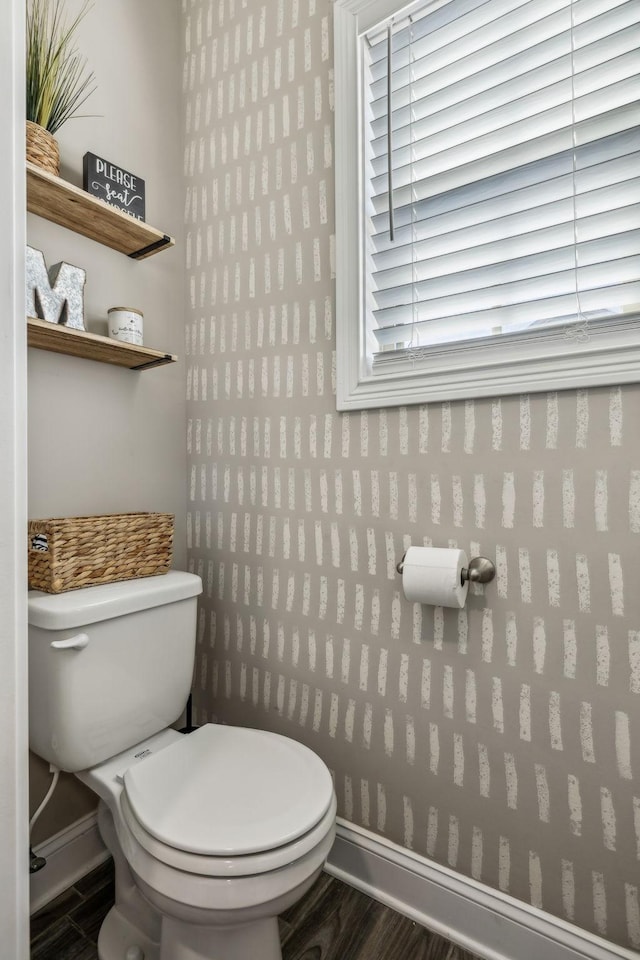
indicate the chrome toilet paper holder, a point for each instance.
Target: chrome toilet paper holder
{"x":480,"y":570}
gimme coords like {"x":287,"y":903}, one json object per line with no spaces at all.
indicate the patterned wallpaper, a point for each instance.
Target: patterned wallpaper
{"x":500,"y":740}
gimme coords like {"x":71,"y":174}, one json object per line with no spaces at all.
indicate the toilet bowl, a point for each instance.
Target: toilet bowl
{"x":213,"y":833}
{"x":220,"y":831}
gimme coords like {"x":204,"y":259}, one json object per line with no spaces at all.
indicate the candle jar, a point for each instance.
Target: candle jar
{"x":125,"y":324}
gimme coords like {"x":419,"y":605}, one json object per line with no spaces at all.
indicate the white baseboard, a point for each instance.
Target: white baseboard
{"x":70,"y":854}
{"x":485,"y":921}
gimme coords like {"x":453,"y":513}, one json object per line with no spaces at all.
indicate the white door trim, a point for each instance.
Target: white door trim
{"x":14,"y":838}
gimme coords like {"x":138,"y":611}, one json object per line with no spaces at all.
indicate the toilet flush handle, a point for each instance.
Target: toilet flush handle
{"x":78,"y":642}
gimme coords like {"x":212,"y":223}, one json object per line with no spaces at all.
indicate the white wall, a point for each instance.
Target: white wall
{"x":13,"y":675}
{"x":104,"y":439}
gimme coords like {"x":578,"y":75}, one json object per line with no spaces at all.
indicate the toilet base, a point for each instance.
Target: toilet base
{"x":118,"y":940}
{"x":121,"y":940}
{"x":246,"y":942}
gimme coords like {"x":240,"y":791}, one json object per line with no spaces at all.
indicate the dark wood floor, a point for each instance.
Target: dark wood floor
{"x":332,"y":922}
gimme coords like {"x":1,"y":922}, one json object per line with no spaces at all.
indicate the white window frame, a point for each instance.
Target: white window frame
{"x":542,"y":361}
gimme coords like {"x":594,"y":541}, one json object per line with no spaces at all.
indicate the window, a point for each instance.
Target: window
{"x":487,"y":197}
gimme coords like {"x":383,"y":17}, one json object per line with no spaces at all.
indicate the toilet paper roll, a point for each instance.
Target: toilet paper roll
{"x":433,"y":575}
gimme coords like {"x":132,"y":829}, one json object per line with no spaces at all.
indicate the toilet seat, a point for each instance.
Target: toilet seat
{"x":228,"y":801}
{"x":227,"y":868}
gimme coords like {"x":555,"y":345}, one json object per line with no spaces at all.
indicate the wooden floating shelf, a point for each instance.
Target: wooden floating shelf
{"x":79,"y":343}
{"x":67,"y":205}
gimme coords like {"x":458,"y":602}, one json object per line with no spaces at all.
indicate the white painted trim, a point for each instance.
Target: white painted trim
{"x":14,"y":832}
{"x":348,"y":213}
{"x":541,"y":361}
{"x":70,"y":855}
{"x":485,"y":921}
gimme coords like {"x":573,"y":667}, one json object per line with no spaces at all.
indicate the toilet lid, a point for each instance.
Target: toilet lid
{"x":224,"y":791}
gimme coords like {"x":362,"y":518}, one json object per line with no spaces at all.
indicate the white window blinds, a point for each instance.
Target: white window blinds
{"x":511,"y":155}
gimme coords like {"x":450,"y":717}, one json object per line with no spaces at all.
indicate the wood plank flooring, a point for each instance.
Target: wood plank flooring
{"x":67,"y":928}
{"x":332,"y":922}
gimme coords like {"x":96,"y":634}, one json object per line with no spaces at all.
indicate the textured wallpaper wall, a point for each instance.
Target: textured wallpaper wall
{"x":501,"y":740}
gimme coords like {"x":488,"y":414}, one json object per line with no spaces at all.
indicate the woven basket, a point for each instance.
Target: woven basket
{"x":73,"y":552}
{"x":42,"y":148}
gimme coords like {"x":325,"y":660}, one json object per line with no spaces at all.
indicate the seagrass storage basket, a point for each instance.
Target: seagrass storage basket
{"x":72,"y":552}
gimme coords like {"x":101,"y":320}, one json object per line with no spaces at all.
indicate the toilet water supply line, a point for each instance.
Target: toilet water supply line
{"x":37,"y":863}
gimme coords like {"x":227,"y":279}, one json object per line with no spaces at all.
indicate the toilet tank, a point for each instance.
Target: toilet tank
{"x":109,"y":665}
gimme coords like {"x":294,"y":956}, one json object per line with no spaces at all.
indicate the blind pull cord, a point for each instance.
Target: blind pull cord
{"x":389,"y":132}
{"x":579,"y":331}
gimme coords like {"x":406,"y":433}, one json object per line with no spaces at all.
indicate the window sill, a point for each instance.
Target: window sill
{"x":484,"y":368}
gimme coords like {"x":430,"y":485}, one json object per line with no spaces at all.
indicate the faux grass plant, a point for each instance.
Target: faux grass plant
{"x":57,"y":79}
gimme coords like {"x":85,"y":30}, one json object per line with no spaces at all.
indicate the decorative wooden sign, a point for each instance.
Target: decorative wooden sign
{"x":116,"y":186}
{"x":57,"y":294}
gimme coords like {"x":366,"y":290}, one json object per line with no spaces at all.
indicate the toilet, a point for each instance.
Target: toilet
{"x":213,"y":833}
